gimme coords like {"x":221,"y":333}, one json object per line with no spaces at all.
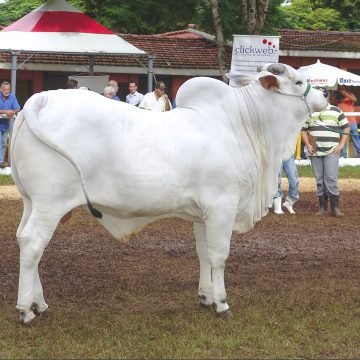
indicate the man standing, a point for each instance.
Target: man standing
{"x":9,"y":106}
{"x":324,"y":135}
{"x":156,"y":100}
{"x":134,"y":98}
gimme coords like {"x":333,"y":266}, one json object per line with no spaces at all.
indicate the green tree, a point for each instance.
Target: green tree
{"x":142,"y":17}
{"x":154,"y":16}
{"x":127,"y":16}
{"x":219,"y":38}
{"x":349,"y":10}
{"x":302,"y":15}
{"x":233,"y":21}
{"x":275,"y":18}
{"x":13,"y":10}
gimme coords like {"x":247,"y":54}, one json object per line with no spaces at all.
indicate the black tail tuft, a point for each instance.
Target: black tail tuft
{"x":94,"y":212}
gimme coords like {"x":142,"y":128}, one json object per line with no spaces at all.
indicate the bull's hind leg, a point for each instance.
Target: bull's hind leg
{"x":32,"y":240}
{"x":39,"y":302}
{"x":206,"y":288}
{"x":25,"y":216}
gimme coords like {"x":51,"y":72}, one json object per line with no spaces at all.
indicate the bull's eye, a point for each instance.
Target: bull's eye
{"x":299,"y":83}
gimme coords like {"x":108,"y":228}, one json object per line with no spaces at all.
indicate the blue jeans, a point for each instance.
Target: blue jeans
{"x":291,"y":173}
{"x":355,"y":139}
{"x":3,"y":142}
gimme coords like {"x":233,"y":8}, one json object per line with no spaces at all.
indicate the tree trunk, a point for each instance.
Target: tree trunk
{"x":262,"y":6}
{"x":253,"y":15}
{"x":219,"y":38}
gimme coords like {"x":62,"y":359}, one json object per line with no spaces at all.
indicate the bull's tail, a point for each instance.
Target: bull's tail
{"x":31,"y":110}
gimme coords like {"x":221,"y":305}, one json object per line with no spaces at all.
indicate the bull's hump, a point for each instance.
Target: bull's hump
{"x":202,"y":91}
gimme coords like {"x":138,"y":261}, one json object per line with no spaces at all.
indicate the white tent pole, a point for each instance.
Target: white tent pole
{"x":14,"y":55}
{"x":150,"y":72}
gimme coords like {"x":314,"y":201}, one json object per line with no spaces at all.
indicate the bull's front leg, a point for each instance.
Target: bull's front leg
{"x":218,"y":234}
{"x":206,"y":288}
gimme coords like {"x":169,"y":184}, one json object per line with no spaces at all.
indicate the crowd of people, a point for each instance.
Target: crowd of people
{"x":156,"y":100}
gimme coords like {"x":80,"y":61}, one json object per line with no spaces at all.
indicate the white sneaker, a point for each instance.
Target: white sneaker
{"x":289,"y":207}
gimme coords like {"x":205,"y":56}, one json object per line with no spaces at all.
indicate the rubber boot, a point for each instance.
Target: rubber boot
{"x":326,"y":201}
{"x":277,"y":206}
{"x":288,"y":203}
{"x":334,"y":202}
{"x":323,"y":205}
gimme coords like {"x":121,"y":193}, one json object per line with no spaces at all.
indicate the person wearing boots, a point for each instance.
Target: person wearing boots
{"x":292,"y":197}
{"x":324,"y":135}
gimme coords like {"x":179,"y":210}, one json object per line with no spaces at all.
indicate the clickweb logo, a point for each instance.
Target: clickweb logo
{"x":263,"y":48}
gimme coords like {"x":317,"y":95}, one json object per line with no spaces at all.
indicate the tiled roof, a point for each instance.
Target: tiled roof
{"x":177,"y":50}
{"x":188,"y":49}
{"x":174,"y":50}
{"x":319,"y":40}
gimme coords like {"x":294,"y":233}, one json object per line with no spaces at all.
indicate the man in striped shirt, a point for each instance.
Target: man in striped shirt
{"x":324,"y":135}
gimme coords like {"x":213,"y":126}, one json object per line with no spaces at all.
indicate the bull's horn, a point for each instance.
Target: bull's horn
{"x":277,"y":69}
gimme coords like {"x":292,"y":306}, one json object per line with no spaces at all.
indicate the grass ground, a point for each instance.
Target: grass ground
{"x":292,"y":283}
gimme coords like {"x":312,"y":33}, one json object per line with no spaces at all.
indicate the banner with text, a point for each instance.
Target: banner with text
{"x":251,"y":51}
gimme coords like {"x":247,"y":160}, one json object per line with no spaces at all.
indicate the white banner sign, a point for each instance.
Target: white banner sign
{"x":251,"y":51}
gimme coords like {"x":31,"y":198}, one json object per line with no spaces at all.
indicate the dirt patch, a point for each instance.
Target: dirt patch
{"x":163,"y":255}
{"x":306,"y":185}
{"x":9,"y":192}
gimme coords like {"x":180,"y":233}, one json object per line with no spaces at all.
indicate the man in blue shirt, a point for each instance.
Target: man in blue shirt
{"x":9,"y":106}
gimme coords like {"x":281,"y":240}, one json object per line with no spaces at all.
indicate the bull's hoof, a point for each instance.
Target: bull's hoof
{"x":227,"y":314}
{"x":39,"y":308}
{"x":205,"y":303}
{"x":26,"y":317}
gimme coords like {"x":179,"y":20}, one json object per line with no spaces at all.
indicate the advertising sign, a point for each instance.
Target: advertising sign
{"x":252,"y":51}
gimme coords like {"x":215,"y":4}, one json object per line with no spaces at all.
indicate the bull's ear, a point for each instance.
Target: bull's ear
{"x":240,"y":79}
{"x":269,"y":82}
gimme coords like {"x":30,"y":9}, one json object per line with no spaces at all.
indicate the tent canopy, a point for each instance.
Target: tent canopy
{"x":324,"y":75}
{"x":57,"y":26}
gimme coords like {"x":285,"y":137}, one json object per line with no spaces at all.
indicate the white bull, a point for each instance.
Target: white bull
{"x":213,"y":160}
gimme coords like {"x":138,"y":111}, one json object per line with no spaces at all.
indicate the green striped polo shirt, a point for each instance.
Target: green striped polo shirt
{"x":334,"y":119}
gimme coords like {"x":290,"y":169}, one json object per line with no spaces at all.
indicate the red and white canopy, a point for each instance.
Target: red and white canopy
{"x":57,"y":26}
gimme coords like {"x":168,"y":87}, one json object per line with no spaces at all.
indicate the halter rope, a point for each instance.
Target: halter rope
{"x":302,"y":97}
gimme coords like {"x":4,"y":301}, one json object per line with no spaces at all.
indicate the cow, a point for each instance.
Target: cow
{"x":213,"y":160}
